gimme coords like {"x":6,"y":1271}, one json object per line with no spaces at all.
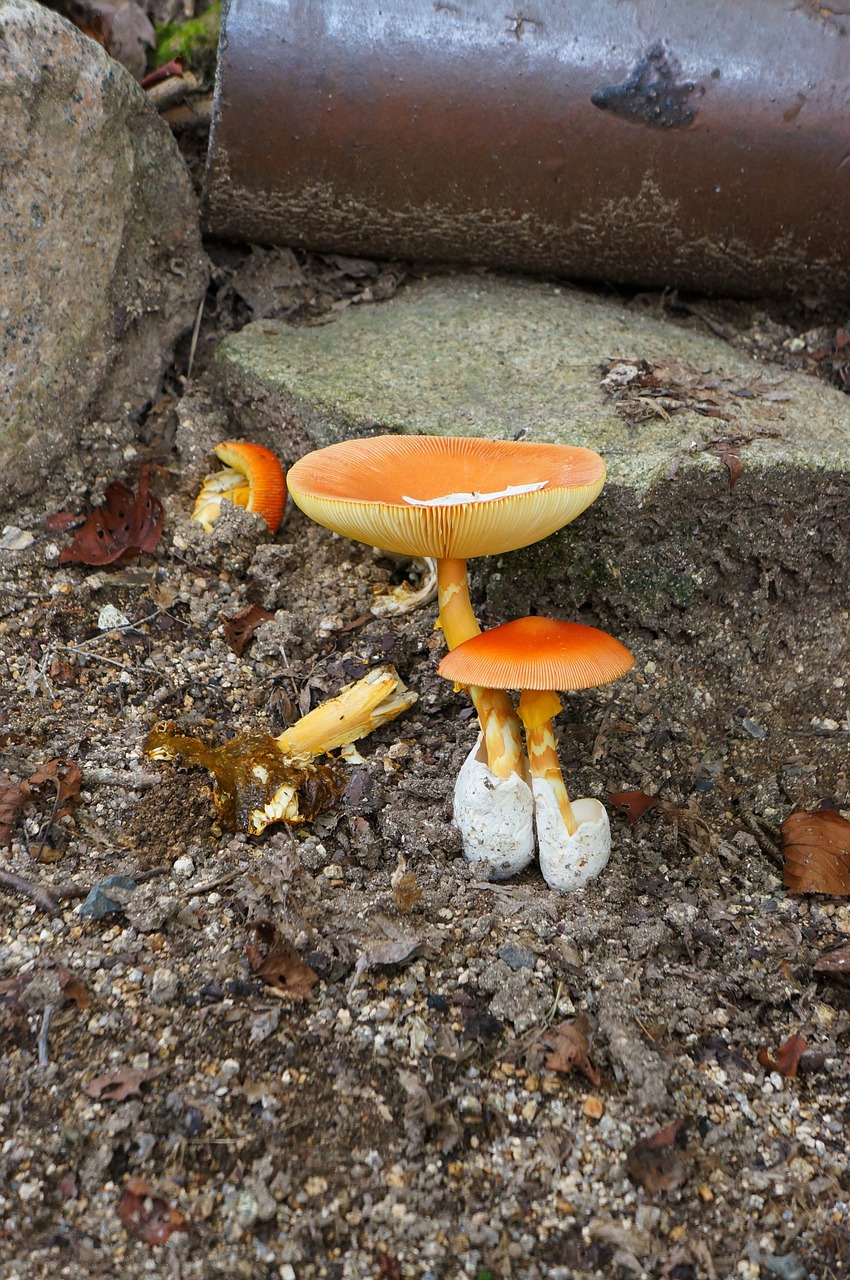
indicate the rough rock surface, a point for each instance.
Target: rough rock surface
{"x":100,"y":251}
{"x":472,"y":355}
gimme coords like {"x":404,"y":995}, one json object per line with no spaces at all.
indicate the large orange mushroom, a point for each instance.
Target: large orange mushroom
{"x":451,"y":498}
{"x":539,"y":656}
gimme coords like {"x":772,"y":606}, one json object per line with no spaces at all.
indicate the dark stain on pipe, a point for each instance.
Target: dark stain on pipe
{"x":651,"y":94}
{"x":652,"y":143}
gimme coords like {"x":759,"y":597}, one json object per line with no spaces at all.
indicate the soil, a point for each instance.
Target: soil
{"x":420,"y":1101}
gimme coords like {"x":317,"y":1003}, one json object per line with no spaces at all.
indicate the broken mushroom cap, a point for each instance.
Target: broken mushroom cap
{"x":449,"y":497}
{"x":538,"y":654}
{"x":252,"y":478}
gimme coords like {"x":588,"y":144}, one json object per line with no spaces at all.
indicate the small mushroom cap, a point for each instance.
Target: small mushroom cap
{"x":444,"y":496}
{"x":253,"y":478}
{"x":538,"y":653}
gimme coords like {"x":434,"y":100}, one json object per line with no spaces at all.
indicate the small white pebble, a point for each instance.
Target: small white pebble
{"x":183,"y":866}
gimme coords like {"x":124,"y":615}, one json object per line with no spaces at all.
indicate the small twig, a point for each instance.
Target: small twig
{"x":47,"y":825}
{"x":83,"y":650}
{"x":87,"y":653}
{"x":211,"y":884}
{"x":193,"y":345}
{"x":765,"y":843}
{"x":137,"y":779}
{"x":645,"y":1029}
{"x":47,"y":898}
{"x":42,"y":897}
{"x":43,"y":1057}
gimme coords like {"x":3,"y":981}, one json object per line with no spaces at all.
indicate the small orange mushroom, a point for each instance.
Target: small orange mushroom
{"x":538,"y":656}
{"x":252,"y":478}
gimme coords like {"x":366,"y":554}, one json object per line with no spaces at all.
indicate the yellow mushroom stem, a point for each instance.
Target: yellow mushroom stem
{"x":537,"y":710}
{"x":499,"y":722}
{"x":357,"y":709}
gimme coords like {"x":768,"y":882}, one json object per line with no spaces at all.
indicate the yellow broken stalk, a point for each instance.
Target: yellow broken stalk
{"x":260,"y":779}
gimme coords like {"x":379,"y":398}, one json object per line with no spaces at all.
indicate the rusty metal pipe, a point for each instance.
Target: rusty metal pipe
{"x":700,"y":145}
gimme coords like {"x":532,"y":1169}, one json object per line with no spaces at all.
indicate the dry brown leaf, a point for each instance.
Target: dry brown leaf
{"x":731,"y":459}
{"x":12,"y":800}
{"x":835,"y":965}
{"x":146,"y":1216}
{"x":787,"y":1059}
{"x":633,"y":804}
{"x":278,"y":964}
{"x":122,"y":1084}
{"x":127,"y":521}
{"x":239,"y":629}
{"x":816,"y":845}
{"x":642,"y":389}
{"x":654,"y":1162}
{"x":569,"y":1051}
{"x":73,"y":989}
{"x":66,"y":775}
{"x":63,"y":776}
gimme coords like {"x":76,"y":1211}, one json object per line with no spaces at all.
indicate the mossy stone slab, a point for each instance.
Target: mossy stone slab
{"x":479,"y":355}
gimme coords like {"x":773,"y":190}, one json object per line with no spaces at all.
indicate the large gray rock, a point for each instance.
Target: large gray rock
{"x":100,"y":253}
{"x":472,"y":355}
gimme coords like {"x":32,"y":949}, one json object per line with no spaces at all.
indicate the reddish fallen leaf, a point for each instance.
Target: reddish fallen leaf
{"x":674,"y":1135}
{"x":61,"y":774}
{"x":731,"y":459}
{"x":633,"y":804}
{"x":166,"y":72}
{"x":127,"y":521}
{"x":835,"y":965}
{"x":12,"y":800}
{"x":240,"y":628}
{"x":787,"y":1059}
{"x":73,"y":989}
{"x":389,"y":1267}
{"x":816,"y":845}
{"x":569,"y":1051}
{"x":146,"y":1216}
{"x":278,"y":964}
{"x":122,"y":1084}
{"x":654,"y":1163}
{"x":61,"y":521}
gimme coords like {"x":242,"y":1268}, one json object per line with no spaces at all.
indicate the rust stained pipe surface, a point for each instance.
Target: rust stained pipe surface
{"x":699,"y":145}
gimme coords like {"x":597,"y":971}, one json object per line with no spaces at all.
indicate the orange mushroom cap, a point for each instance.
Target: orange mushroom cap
{"x":446,"y":496}
{"x":538,"y":653}
{"x":254,"y":480}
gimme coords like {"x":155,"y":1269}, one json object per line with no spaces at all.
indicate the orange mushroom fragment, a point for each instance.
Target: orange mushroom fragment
{"x":252,"y":478}
{"x":451,"y":497}
{"x":538,"y":656}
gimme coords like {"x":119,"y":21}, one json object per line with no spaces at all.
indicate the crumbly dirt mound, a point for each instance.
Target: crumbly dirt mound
{"x":398,"y":1114}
